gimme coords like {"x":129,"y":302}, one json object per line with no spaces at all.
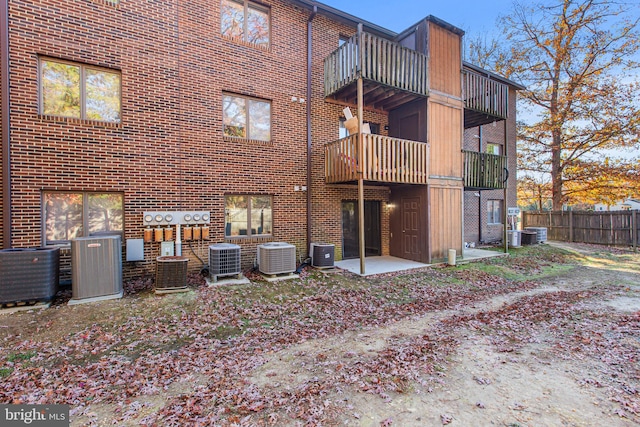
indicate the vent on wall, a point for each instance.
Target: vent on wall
{"x":276,"y":258}
{"x":322,"y":255}
{"x":224,"y":260}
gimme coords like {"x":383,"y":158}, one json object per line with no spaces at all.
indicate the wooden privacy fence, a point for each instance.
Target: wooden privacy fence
{"x":617,"y":228}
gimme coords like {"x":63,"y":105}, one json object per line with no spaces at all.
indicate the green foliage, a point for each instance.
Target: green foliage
{"x":20,"y":357}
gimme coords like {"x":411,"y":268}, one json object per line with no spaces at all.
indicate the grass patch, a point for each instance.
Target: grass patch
{"x":527,"y":263}
{"x":20,"y":357}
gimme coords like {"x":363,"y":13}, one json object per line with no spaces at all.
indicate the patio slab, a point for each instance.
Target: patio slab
{"x":389,"y":264}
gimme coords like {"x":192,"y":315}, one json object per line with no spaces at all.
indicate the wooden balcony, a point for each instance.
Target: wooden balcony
{"x":384,"y":159}
{"x":392,"y":74}
{"x":484,"y":171}
{"x":485,"y":100}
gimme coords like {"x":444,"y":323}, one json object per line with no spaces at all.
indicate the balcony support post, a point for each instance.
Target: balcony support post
{"x":361,"y":176}
{"x":506,"y":184}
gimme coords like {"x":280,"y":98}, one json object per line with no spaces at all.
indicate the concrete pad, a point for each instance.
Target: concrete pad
{"x":379,"y":265}
{"x":73,"y":301}
{"x":17,"y":308}
{"x":388,"y":264}
{"x":231,"y":280}
{"x":165,"y":291}
{"x":276,"y":278}
{"x":476,"y":254}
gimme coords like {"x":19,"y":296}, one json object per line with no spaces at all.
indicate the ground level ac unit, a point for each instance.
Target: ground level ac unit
{"x":322,"y":255}
{"x":541,"y":233}
{"x":96,"y":268}
{"x":224,"y":260}
{"x":276,"y":258}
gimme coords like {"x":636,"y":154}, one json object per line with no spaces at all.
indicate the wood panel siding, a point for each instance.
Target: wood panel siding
{"x":445,"y":61}
{"x":484,"y":171}
{"x":385,"y":159}
{"x":446,"y":221}
{"x":445,"y":139}
{"x":376,"y":59}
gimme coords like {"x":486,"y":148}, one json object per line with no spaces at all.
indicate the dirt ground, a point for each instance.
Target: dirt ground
{"x":504,"y":343}
{"x":481,"y":384}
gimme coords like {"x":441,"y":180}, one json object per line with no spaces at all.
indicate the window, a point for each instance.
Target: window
{"x":494,"y":148}
{"x":343,"y":132}
{"x":79,"y":91}
{"x":494,"y":212}
{"x":248,"y":215}
{"x":81,"y":214}
{"x":246,"y":21}
{"x":246,"y":118}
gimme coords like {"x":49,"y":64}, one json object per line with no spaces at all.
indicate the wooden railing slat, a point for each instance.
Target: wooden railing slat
{"x":386,"y":159}
{"x":484,"y":170}
{"x":485,"y":95}
{"x":383,"y":61}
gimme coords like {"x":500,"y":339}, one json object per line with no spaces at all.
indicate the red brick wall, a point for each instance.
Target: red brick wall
{"x":168,"y":153}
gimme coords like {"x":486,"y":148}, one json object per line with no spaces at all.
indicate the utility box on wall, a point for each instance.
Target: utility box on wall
{"x":96,"y":268}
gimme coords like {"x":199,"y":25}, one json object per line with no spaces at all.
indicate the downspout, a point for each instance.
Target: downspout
{"x":309,"y":141}
{"x":6,"y":133}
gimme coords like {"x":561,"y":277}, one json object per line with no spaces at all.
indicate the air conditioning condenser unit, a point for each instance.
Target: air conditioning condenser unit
{"x":224,"y":260}
{"x":322,"y":255}
{"x":276,"y":258}
{"x":96,"y":268}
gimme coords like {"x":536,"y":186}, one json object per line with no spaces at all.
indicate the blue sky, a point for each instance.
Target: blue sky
{"x":472,"y":16}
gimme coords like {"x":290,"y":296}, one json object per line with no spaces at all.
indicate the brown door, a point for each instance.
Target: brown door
{"x":410,"y":212}
{"x":409,"y":121}
{"x":408,"y":219}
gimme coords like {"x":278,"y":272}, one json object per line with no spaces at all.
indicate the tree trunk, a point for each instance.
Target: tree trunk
{"x":557,"y":198}
{"x":540,"y":198}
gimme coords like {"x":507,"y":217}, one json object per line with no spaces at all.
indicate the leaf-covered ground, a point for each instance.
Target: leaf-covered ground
{"x":547,"y":336}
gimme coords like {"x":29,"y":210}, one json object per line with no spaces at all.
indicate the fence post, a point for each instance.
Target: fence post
{"x":634,"y":230}
{"x":571,"y":226}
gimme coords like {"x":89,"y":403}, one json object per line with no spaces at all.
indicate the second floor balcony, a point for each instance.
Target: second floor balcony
{"x":378,"y":158}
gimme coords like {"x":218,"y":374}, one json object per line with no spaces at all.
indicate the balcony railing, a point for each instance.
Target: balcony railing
{"x":484,"y":171}
{"x":484,"y":95}
{"x":385,"y":159}
{"x":376,"y":59}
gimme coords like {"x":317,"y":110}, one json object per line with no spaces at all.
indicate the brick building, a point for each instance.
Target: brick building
{"x":233,"y":111}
